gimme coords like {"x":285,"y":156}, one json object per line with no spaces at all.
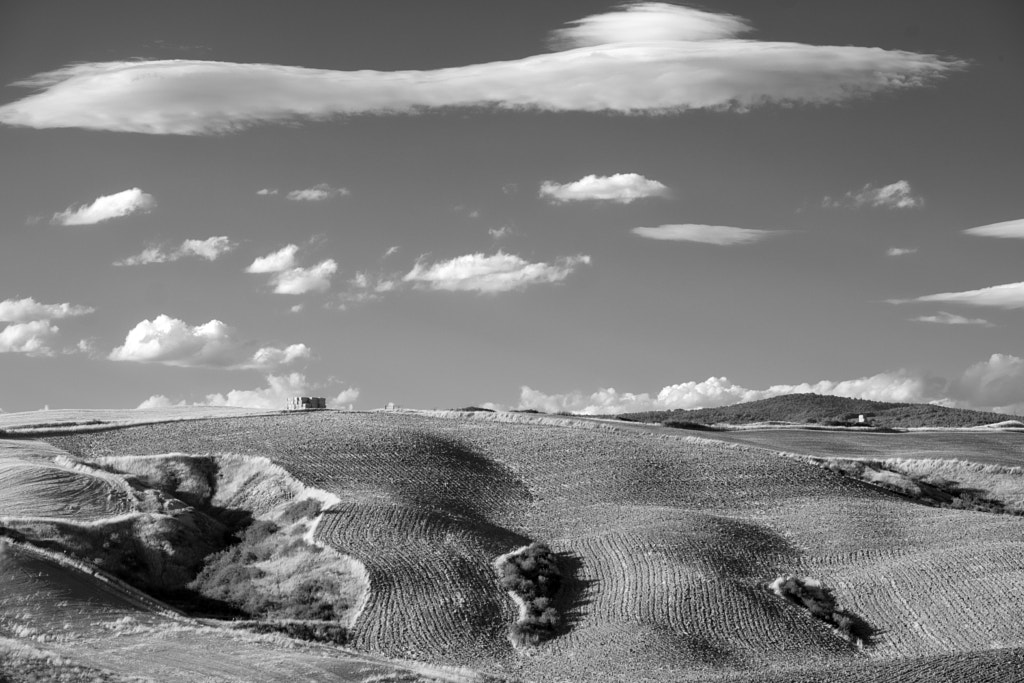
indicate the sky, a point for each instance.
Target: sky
{"x":580,"y":205}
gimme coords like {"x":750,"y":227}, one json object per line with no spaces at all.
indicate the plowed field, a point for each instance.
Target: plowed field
{"x":667,"y":542}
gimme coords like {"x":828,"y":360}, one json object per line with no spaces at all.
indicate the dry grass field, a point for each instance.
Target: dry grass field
{"x":667,"y":545}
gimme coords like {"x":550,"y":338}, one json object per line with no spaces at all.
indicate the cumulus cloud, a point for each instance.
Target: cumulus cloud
{"x":621,"y":188}
{"x":899,"y":251}
{"x":271,"y":397}
{"x":210,"y":249}
{"x":720,"y":391}
{"x":106,"y":207}
{"x":267,"y":191}
{"x":1006,"y":229}
{"x":33,"y":338}
{"x":645,"y":58}
{"x":490,"y":274}
{"x":898,"y":195}
{"x":999,"y":296}
{"x":708,"y":234}
{"x":500,"y":233}
{"x":302,"y":280}
{"x":943,"y":318}
{"x":288,"y":278}
{"x":23,"y":310}
{"x":174,"y":342}
{"x":317,"y":193}
{"x":280,"y":260}
{"x":996,"y":384}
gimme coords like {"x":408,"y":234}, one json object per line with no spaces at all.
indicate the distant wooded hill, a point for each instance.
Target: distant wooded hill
{"x":826,"y":410}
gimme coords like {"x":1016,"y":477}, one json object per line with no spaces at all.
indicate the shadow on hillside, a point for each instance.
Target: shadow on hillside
{"x":577,"y":592}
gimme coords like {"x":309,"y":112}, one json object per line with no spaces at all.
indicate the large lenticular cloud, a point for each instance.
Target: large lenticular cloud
{"x":646,"y":58}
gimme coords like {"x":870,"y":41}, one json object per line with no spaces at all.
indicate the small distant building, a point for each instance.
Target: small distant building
{"x":860,"y":419}
{"x":391,"y":406}
{"x":306,"y":403}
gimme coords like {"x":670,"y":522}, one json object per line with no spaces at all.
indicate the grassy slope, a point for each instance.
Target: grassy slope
{"x":991,"y":448}
{"x":668,"y":543}
{"x":92,"y":628}
{"x":801,"y":408}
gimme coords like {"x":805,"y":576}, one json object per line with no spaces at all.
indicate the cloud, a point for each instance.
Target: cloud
{"x":302,"y":280}
{"x":649,"y":23}
{"x":32,"y":338}
{"x":898,"y":251}
{"x":174,"y":342}
{"x":1006,"y":229}
{"x":708,"y":234}
{"x":390,"y":251}
{"x":720,"y":391}
{"x":646,"y":58}
{"x":1000,"y":296}
{"x":288,"y":278}
{"x":897,"y":195}
{"x":996,"y":385}
{"x":272,"y":397}
{"x":267,"y":191}
{"x":944,"y":318}
{"x":621,"y":188}
{"x":490,"y":274}
{"x":500,"y":233}
{"x":280,"y":260}
{"x":317,"y":193}
{"x":106,"y":207}
{"x":27,"y":309}
{"x":210,"y":249}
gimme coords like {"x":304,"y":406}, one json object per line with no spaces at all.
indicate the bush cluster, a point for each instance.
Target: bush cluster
{"x":534,"y":576}
{"x":239,"y":576}
{"x":318,"y":632}
{"x":817,"y":599}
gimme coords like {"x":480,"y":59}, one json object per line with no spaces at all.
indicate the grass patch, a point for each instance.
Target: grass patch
{"x":533,"y":576}
{"x":817,"y":599}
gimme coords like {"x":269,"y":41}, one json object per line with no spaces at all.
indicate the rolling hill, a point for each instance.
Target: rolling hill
{"x":818,"y":409}
{"x":667,"y":544}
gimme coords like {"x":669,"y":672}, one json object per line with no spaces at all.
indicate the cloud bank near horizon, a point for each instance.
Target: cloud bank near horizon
{"x":271,"y":397}
{"x":996,"y":385}
{"x":644,"y":58}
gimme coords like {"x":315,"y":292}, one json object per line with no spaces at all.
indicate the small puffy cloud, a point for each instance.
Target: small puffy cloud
{"x":490,"y":274}
{"x":27,"y":309}
{"x":898,"y":195}
{"x":500,"y":233}
{"x":276,"y":262}
{"x":273,"y":396}
{"x":106,"y":207}
{"x":709,"y":234}
{"x":288,"y":278}
{"x":174,"y":342}
{"x":621,"y":188}
{"x":302,"y":280}
{"x":267,"y":191}
{"x":943,"y":318}
{"x":646,"y":58}
{"x":1006,"y":229}
{"x":317,"y":193}
{"x":649,"y":23}
{"x":900,"y":251}
{"x":210,"y":249}
{"x":33,"y":338}
{"x":1000,"y":296}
